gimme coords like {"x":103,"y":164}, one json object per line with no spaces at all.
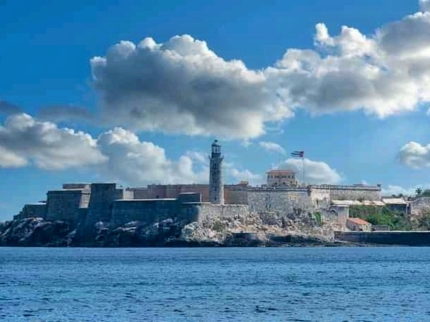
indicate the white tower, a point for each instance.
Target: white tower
{"x":216,"y":186}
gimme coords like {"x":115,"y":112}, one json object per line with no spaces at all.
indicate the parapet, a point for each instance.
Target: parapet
{"x":358,"y":187}
{"x":32,"y":210}
{"x":83,"y":186}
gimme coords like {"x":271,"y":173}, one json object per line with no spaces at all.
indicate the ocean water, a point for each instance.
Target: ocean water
{"x":215,"y":284}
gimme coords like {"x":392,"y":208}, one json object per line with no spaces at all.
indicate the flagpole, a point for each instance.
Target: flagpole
{"x":303,"y":168}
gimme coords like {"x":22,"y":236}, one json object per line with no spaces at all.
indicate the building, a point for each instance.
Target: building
{"x":396,"y":204}
{"x":281,"y":178}
{"x":358,"y":224}
{"x":216,"y":187}
{"x":91,"y":203}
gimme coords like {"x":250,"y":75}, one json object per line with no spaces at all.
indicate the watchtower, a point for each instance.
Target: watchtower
{"x":216,"y":187}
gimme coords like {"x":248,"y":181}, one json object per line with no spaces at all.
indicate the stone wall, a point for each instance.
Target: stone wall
{"x":148,"y":210}
{"x":100,"y":205}
{"x":64,"y":204}
{"x":354,"y":192}
{"x":140,"y":193}
{"x":418,"y":205}
{"x":208,"y":212}
{"x":161,"y":191}
{"x":408,"y":238}
{"x":281,"y":201}
{"x":32,"y":210}
{"x":236,"y":196}
{"x":190,"y":197}
{"x":83,"y":186}
{"x":156,"y":210}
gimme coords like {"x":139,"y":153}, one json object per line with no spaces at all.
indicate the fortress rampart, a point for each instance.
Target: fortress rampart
{"x":350,"y":192}
{"x":88,"y":204}
{"x":279,"y":200}
{"x":64,"y":204}
{"x":91,"y":203}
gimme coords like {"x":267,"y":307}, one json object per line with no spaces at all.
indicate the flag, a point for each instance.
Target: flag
{"x":299,"y":154}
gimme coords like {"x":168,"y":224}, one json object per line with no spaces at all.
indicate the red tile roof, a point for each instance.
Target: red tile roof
{"x":358,"y":221}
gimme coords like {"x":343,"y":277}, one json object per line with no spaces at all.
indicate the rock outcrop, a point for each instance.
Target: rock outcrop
{"x":35,"y":232}
{"x":242,"y":229}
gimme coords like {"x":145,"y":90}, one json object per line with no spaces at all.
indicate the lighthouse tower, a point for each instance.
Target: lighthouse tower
{"x":216,"y":187}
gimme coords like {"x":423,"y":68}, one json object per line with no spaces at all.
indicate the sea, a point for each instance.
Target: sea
{"x":215,"y":284}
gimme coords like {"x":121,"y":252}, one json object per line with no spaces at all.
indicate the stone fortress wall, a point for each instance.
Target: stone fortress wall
{"x":347,"y":192}
{"x":63,"y":204}
{"x":32,"y":210}
{"x":107,"y":203}
{"x":281,"y":201}
{"x":89,"y":204}
{"x":417,"y":206}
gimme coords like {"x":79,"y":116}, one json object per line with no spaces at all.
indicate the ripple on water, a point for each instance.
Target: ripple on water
{"x":263,"y":284}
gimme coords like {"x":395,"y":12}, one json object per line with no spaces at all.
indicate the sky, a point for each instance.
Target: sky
{"x":135,"y":92}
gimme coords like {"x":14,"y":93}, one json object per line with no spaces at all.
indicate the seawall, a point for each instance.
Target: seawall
{"x":405,"y":238}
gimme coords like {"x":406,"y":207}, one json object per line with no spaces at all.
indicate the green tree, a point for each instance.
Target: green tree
{"x":418,"y":192}
{"x":424,"y":220}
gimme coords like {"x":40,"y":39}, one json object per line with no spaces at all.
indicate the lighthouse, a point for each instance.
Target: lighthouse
{"x":216,"y":187}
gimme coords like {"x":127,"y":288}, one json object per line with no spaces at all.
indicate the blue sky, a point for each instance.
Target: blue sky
{"x":355,"y":100}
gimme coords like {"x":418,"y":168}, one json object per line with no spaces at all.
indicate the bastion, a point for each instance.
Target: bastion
{"x":86,"y":204}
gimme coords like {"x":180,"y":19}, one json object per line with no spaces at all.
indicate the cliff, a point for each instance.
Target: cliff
{"x":213,"y":227}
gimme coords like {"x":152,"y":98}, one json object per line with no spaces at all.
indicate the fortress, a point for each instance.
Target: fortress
{"x":89,"y":204}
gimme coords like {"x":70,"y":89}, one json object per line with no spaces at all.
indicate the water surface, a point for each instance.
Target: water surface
{"x":215,"y":284}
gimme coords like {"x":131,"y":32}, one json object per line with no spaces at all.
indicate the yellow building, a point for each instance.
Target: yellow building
{"x":281,"y":178}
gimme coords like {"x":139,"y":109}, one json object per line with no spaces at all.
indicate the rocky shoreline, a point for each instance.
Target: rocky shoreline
{"x":37,"y":232}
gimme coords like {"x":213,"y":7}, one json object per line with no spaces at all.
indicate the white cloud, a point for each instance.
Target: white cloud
{"x":316,"y":172}
{"x":415,"y":155}
{"x":24,"y":140}
{"x":244,"y":175}
{"x":139,"y":163}
{"x":384,"y":73}
{"x":396,"y":190}
{"x":409,"y":191}
{"x":118,"y":154}
{"x":272,"y":147}
{"x":424,"y":5}
{"x":181,"y":86}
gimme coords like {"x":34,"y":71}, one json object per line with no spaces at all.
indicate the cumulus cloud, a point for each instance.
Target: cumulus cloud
{"x":316,"y":172}
{"x":415,"y":155}
{"x":64,"y":113}
{"x":138,"y":162}
{"x":424,"y":5}
{"x":272,"y":147}
{"x":24,"y":140}
{"x":181,"y":86}
{"x":391,"y":190}
{"x":384,"y":73}
{"x":117,"y":154}
{"x":238,"y":175}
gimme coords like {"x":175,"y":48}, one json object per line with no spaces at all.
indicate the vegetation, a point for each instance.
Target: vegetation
{"x":424,"y":220}
{"x":318,"y":218}
{"x":419,"y":191}
{"x":425,"y":193}
{"x":382,"y":216}
{"x":217,"y":226}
